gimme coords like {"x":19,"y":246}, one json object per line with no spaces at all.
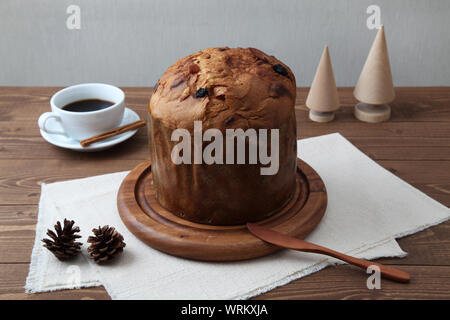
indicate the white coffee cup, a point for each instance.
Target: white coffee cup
{"x":82,"y":125}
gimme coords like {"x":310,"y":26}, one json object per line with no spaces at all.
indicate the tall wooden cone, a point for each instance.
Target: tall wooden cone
{"x":375,"y":82}
{"x":323,"y":97}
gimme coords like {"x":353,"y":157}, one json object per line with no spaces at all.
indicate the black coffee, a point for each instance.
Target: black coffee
{"x":87,"y":105}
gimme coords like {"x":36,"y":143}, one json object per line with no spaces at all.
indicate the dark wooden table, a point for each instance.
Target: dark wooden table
{"x":414,"y":145}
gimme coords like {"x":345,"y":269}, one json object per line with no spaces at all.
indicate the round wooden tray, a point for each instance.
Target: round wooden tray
{"x":162,"y":230}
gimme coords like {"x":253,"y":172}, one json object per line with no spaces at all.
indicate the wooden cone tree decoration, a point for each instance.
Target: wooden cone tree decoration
{"x":323,"y":99}
{"x":375,"y":88}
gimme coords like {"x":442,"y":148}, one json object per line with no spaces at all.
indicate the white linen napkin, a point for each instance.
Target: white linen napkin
{"x":368,"y":207}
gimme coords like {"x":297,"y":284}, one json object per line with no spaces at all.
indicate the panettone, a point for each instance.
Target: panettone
{"x":224,"y":88}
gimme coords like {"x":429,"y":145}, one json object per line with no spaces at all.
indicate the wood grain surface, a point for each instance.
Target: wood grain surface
{"x":414,"y":145}
{"x":149,"y":221}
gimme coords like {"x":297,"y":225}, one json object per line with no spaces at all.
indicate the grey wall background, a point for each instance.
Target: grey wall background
{"x":131,"y":43}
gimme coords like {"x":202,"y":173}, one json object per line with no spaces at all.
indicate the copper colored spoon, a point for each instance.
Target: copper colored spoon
{"x":288,"y":242}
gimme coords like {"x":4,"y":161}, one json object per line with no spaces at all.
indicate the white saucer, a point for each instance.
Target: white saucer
{"x":69,"y":143}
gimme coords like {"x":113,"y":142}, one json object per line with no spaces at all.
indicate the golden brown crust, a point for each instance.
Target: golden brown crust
{"x":240,"y":82}
{"x":245,"y":89}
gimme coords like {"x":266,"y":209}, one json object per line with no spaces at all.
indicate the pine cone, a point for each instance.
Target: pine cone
{"x":63,"y":245}
{"x":105,"y":244}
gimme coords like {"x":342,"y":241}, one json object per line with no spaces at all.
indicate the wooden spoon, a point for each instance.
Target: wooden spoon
{"x":288,"y":242}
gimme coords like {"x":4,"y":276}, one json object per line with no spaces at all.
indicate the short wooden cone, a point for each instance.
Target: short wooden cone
{"x":375,"y":88}
{"x":323,"y":99}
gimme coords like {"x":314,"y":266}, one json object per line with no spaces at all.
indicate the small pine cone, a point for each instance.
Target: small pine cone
{"x":105,"y":244}
{"x":63,"y":244}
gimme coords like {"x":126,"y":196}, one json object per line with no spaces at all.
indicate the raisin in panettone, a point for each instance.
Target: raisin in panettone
{"x":224,"y":88}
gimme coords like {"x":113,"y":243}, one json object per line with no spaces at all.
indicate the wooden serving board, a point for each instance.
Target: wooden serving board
{"x":162,"y":230}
